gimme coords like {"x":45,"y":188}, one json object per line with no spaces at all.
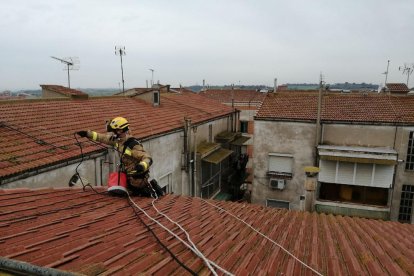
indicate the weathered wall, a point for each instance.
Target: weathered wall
{"x":50,"y":94}
{"x":166,"y":153}
{"x":298,"y":139}
{"x":282,"y":137}
{"x":59,"y":177}
{"x":358,"y":135}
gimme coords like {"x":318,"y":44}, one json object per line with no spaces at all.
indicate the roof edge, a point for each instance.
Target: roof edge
{"x":20,"y":268}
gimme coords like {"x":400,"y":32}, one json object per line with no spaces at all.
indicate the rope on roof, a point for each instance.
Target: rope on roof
{"x":264,"y":236}
{"x":194,"y":249}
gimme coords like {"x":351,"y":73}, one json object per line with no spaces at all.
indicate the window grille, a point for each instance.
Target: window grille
{"x":409,"y":162}
{"x":406,"y":203}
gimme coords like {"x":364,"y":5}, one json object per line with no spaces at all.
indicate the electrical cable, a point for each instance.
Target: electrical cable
{"x":159,"y":241}
{"x":264,"y":236}
{"x":78,"y":177}
{"x":77,"y":172}
{"x":137,"y":215}
{"x":198,"y":252}
{"x":172,"y":233}
{"x":34,"y":138}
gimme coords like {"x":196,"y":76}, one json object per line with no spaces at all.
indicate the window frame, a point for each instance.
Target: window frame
{"x":405,"y":211}
{"x":409,"y":159}
{"x":244,"y":126}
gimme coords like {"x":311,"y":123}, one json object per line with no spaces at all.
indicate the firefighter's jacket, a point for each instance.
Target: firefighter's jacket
{"x":130,"y":157}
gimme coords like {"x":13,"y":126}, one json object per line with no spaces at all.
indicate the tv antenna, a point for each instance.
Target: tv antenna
{"x":152,"y":77}
{"x":71,"y":63}
{"x":120,"y":50}
{"x":386,"y":73}
{"x":407,"y":69}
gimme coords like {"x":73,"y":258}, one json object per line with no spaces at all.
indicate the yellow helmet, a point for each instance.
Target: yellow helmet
{"x":118,"y":123}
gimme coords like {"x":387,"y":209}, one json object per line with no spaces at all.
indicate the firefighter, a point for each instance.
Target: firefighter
{"x":135,"y":161}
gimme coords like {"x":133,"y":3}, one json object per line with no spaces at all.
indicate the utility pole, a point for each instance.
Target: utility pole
{"x":407,"y":69}
{"x":120,"y":50}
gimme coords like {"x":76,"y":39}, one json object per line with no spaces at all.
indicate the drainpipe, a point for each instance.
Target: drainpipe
{"x":186,"y":145}
{"x":318,"y":122}
{"x":194,"y":186}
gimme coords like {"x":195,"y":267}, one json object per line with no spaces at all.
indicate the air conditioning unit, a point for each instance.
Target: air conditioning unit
{"x":275,"y":183}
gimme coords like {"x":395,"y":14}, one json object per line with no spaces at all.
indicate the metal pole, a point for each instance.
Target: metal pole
{"x":152,"y":77}
{"x":409,"y":71}
{"x":386,"y":73}
{"x":68,"y":77}
{"x":122,"y":72}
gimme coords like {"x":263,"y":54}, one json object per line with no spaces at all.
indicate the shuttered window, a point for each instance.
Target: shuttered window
{"x":280,"y":163}
{"x":360,"y":174}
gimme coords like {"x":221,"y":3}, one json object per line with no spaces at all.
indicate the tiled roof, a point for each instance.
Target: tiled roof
{"x":89,"y":233}
{"x":377,"y":108}
{"x":37,"y":133}
{"x":397,"y":88}
{"x":238,"y":95}
{"x":63,"y":90}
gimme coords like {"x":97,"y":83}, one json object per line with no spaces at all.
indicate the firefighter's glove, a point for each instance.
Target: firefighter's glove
{"x":141,"y":167}
{"x":82,"y":133}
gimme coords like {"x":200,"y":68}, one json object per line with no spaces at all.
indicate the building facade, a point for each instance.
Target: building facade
{"x":45,"y":152}
{"x":362,"y":147}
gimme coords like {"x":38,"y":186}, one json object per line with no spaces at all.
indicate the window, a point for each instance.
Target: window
{"x":277,"y":203}
{"x":166,"y":183}
{"x":244,"y":126}
{"x":280,"y":163}
{"x":355,"y":194}
{"x":210,"y":133}
{"x":409,"y":162}
{"x":361,"y":174}
{"x":210,"y":177}
{"x":406,"y":203}
{"x":156,"y":98}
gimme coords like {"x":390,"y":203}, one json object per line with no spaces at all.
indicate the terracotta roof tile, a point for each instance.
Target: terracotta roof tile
{"x":63,"y":90}
{"x":239,"y":96}
{"x":82,"y":232}
{"x":377,"y":108}
{"x":397,"y":88}
{"x":37,"y":133}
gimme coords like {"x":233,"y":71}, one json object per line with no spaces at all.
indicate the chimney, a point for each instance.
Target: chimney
{"x":204,"y":85}
{"x":275,"y":85}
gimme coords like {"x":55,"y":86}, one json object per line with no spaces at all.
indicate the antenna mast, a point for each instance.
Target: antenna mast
{"x":70,"y":64}
{"x":407,"y":69}
{"x":386,"y":73}
{"x":120,"y":50}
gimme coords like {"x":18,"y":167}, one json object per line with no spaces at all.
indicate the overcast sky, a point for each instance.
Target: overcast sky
{"x":186,"y":41}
